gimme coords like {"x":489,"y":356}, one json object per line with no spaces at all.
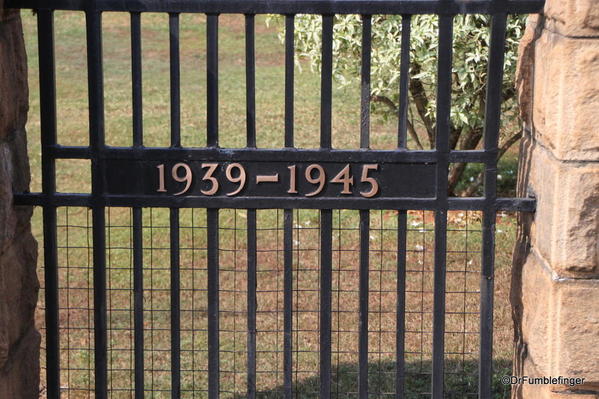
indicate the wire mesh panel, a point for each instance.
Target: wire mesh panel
{"x":206,"y":272}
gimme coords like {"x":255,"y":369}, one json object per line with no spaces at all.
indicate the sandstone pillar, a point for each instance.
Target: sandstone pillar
{"x":555,"y":288}
{"x":19,"y":340}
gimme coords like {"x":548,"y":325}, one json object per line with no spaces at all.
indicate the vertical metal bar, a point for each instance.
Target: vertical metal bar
{"x":442,"y":149}
{"x":213,"y":306}
{"x":365,"y":86}
{"x":212,"y":214}
{"x":96,"y":94}
{"x":402,"y":215}
{"x":45,"y":26}
{"x":326,"y":215}
{"x":100,"y":324}
{"x":175,"y":77}
{"x":485,"y":368}
{"x":96,"y":126}
{"x":494,"y":87}
{"x":404,"y":80}
{"x":288,"y":215}
{"x":175,"y":306}
{"x":212,"y":79}
{"x":400,"y":323}
{"x":136,"y":79}
{"x":364,"y":214}
{"x":138,"y":302}
{"x":52,"y":304}
{"x":364,"y":294}
{"x":250,"y":79}
{"x":288,"y":302}
{"x":138,"y":298}
{"x":439,"y":304}
{"x":289,"y":77}
{"x":252,"y":303}
{"x":175,"y":94}
{"x":326,"y":82}
{"x":491,"y":140}
{"x":326,"y":264}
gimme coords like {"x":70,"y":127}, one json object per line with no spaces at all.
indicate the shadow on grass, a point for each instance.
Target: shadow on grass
{"x":461,"y":381}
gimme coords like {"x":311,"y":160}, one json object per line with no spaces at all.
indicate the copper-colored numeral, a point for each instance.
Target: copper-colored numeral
{"x":320,"y":180}
{"x":241,"y":177}
{"x":292,"y":179}
{"x":161,"y":186}
{"x":208,"y":176}
{"x":235,"y":173}
{"x":344,"y":177}
{"x":187,"y":178}
{"x":371,"y":180}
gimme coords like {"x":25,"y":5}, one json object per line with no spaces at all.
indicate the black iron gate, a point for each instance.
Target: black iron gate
{"x":181,"y":178}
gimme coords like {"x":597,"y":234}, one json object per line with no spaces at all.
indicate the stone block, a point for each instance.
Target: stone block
{"x":560,"y":324}
{"x":554,"y":392}
{"x":14,"y":177}
{"x":577,"y":330}
{"x":525,"y":68}
{"x":567,"y":394}
{"x":534,"y":392}
{"x":18,"y":289}
{"x":8,"y":219}
{"x":19,"y":378}
{"x":19,"y":341}
{"x":20,"y":175}
{"x":13,"y":74}
{"x":537,"y":299}
{"x":573,"y":17}
{"x":566,"y":223}
{"x":565,"y":96}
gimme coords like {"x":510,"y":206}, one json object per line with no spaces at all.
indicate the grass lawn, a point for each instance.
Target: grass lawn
{"x":75,"y":252}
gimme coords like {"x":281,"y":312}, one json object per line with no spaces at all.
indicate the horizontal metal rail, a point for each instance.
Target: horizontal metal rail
{"x":253,"y":154}
{"x":241,"y":202}
{"x":291,"y":7}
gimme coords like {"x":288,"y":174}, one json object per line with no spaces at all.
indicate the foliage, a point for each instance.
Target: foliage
{"x":470,"y":57}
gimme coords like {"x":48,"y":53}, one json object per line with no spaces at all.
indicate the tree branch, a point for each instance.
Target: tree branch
{"x":418,"y":92}
{"x":508,"y":144}
{"x":414,"y":136}
{"x":384,"y":100}
{"x":454,"y":136}
{"x":469,"y":142}
{"x":472,"y":187}
{"x":509,"y":93}
{"x":389,"y":103}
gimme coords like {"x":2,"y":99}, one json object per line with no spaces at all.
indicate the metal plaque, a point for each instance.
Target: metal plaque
{"x":301,"y":179}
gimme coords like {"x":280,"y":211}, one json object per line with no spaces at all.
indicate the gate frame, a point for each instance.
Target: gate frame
{"x":98,"y":153}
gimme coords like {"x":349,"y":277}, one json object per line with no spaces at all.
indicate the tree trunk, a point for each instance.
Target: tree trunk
{"x":469,"y":142}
